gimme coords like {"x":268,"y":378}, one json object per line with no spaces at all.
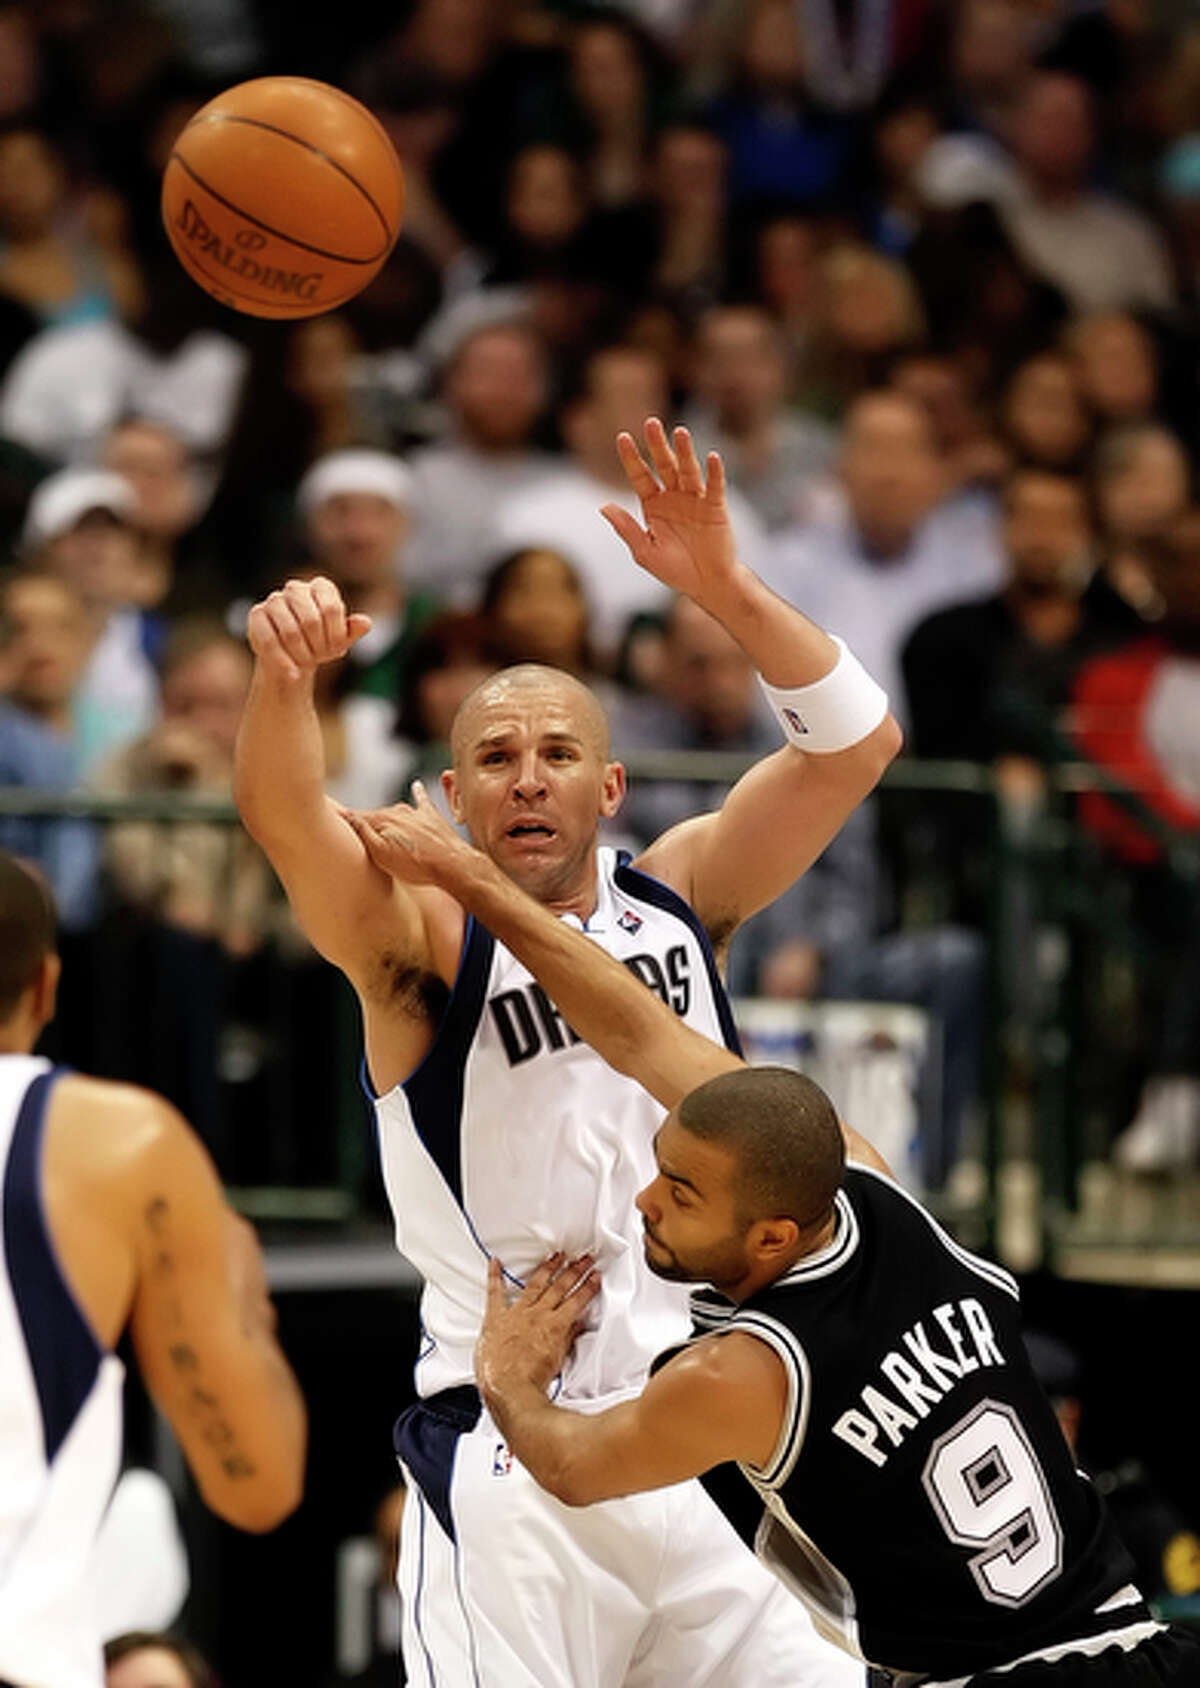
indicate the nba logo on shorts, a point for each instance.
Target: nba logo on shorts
{"x":630,"y":922}
{"x":794,"y":721}
{"x":502,"y":1460}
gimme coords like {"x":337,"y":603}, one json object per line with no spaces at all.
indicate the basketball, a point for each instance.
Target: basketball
{"x":282,"y":197}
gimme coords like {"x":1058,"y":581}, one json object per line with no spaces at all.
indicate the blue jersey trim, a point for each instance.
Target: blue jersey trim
{"x":420,"y":1592}
{"x":435,"y":1088}
{"x":64,"y":1354}
{"x":425,"y":1438}
{"x":638,"y":884}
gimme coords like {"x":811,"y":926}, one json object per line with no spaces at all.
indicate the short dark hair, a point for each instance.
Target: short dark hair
{"x":784,"y":1135}
{"x":452,"y":637}
{"x":199,"y":1673}
{"x":26,"y":930}
{"x":193,"y":634}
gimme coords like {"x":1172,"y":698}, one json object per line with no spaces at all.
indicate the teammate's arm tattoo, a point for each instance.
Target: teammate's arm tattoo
{"x":203,"y":1404}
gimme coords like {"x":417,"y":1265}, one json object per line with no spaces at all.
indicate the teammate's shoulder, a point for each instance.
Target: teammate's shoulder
{"x":124,"y":1120}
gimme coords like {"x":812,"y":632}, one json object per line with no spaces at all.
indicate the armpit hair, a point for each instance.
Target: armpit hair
{"x":413,"y":989}
{"x":720,"y":930}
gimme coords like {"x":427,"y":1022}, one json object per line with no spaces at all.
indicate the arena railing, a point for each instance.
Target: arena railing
{"x":261,"y":1048}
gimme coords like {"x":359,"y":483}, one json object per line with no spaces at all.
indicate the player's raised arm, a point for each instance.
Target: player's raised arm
{"x":279,"y":782}
{"x":779,"y":818}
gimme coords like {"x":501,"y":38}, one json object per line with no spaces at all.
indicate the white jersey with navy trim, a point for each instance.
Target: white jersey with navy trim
{"x":60,"y":1418}
{"x":514,"y":1138}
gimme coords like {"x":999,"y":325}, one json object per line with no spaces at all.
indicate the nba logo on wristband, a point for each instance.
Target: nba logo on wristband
{"x":832,"y":713}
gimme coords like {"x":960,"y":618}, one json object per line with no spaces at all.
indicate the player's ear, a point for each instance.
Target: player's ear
{"x":613,"y":793}
{"x":45,"y":987}
{"x":450,"y":787}
{"x":771,"y":1240}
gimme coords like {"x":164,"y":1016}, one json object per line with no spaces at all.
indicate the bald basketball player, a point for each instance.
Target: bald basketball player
{"x":502,"y":1133}
{"x":111,"y":1216}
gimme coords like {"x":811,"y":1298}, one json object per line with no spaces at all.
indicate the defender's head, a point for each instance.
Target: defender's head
{"x":749,"y":1165}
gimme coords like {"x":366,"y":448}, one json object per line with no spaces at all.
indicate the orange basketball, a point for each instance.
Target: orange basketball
{"x":282,"y":197}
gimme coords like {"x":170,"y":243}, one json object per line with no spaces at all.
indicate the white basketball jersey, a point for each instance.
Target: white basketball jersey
{"x":60,"y":1418}
{"x":513,"y":1138}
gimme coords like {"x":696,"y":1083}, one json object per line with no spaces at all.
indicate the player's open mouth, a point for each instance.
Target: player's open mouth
{"x":530,"y":829}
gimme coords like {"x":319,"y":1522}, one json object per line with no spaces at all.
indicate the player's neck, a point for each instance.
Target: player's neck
{"x":579,"y":898}
{"x":18,"y":1035}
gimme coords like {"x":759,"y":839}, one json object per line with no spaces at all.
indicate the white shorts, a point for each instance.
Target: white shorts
{"x":505,"y":1587}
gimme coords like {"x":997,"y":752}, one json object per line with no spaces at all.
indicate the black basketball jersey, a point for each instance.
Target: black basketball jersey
{"x":922,"y":1499}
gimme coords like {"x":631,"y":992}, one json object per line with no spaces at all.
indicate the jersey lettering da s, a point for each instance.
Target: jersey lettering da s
{"x":514,"y":1138}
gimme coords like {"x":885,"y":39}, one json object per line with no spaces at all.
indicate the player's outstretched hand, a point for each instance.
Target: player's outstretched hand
{"x":303,"y":625}
{"x":526,"y":1341}
{"x":687,"y":541}
{"x":411,"y":842}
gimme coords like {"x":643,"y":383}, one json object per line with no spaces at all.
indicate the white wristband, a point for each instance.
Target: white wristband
{"x":833,"y":713}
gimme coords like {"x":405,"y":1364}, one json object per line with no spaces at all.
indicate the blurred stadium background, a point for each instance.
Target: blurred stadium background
{"x":927,"y":272}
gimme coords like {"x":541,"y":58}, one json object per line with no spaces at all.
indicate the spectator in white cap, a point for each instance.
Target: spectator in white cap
{"x":355,"y":509}
{"x":180,"y":564}
{"x":81,"y":527}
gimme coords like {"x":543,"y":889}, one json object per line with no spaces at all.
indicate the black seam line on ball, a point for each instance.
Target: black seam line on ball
{"x":302,"y":245}
{"x":318,"y":152}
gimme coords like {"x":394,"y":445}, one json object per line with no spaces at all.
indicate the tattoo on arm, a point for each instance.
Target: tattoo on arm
{"x":203,"y":1404}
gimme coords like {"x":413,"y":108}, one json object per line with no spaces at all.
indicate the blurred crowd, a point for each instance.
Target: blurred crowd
{"x":926,"y":273}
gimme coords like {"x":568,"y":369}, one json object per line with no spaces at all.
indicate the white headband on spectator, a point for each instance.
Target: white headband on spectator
{"x":835,"y":711}
{"x":376,"y":472}
{"x":63,"y":499}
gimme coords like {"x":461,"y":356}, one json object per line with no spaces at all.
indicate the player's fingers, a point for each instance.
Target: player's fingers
{"x":377,"y":848}
{"x":570,"y":1280}
{"x":624,"y":525}
{"x":640,"y":477}
{"x":287,"y":630}
{"x":380,"y":817}
{"x":331,"y":608}
{"x":422,"y":801}
{"x":356,"y":626}
{"x":714,"y":492}
{"x":392,"y":837}
{"x":363,"y":825}
{"x":495,"y":1285}
{"x":264,"y":641}
{"x":539,"y":1280}
{"x":661,"y":455}
{"x":382,"y":838}
{"x":585,"y":1292}
{"x":691,"y":476}
{"x":305,"y":605}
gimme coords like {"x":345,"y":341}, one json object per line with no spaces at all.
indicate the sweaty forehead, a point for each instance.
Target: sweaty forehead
{"x":544,"y":700}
